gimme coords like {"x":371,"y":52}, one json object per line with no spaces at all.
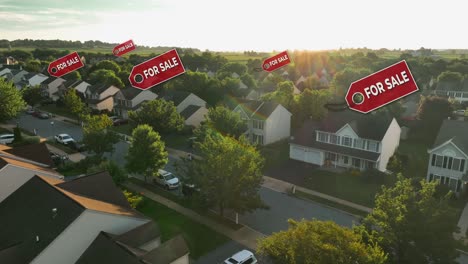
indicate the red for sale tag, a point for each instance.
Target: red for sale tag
{"x":381,"y":88}
{"x":276,"y":62}
{"x":156,"y":70}
{"x":123,"y":48}
{"x":65,"y":64}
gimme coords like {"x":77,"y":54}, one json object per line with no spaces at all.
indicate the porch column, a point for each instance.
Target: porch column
{"x":336,"y":159}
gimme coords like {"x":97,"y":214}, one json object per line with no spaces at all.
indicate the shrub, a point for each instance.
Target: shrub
{"x":134,"y":199}
{"x":355,"y":172}
{"x":374,"y":176}
{"x":27,"y":141}
{"x":18,"y":136}
{"x":118,"y":174}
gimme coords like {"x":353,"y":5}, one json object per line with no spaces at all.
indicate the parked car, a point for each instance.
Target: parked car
{"x":460,"y":112}
{"x":119,"y":121}
{"x":41,"y":115}
{"x":242,"y":257}
{"x":63,"y":139}
{"x":58,"y":159}
{"x":6,"y":138}
{"x":166,"y":179}
{"x":30,"y":111}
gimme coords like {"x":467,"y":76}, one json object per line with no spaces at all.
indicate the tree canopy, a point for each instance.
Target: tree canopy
{"x":96,"y":135}
{"x":433,"y":110}
{"x":224,"y":121}
{"x":11,"y":101}
{"x":32,"y":95}
{"x":413,"y":224}
{"x":160,"y":114}
{"x":74,"y":104}
{"x":146,"y":154}
{"x":319,"y":242}
{"x":107,"y":77}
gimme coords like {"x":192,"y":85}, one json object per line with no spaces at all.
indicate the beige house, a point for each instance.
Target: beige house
{"x":50,"y":87}
{"x":194,"y":115}
{"x":130,"y":99}
{"x":101,"y":97}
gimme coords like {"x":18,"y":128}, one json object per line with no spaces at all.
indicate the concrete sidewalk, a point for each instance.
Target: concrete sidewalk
{"x":245,"y":235}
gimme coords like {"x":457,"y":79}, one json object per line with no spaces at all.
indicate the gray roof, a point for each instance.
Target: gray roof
{"x":189,"y":111}
{"x":168,"y":251}
{"x":140,"y":235}
{"x":454,"y":130}
{"x":29,"y":75}
{"x":98,"y":88}
{"x":71,"y":83}
{"x":130,"y":92}
{"x":99,"y":186}
{"x":27,"y":213}
{"x":48,"y":80}
{"x":105,"y":250}
{"x":175,"y":96}
{"x":258,"y":109}
{"x":452,"y":86}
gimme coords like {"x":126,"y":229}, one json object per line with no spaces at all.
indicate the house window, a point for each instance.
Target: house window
{"x":431,"y":177}
{"x":347,"y":141}
{"x":345,"y":159}
{"x":462,"y":165}
{"x":331,"y":156}
{"x":370,"y":164}
{"x":258,"y":124}
{"x":323,"y":137}
{"x":450,"y":160}
{"x":458,"y":94}
{"x":433,"y":159}
{"x":456,"y":164}
{"x":445,"y":162}
{"x":438,"y":162}
{"x":359,"y":143}
{"x":334,"y":139}
{"x":258,"y":139}
{"x":372,"y":146}
{"x":356,"y":163}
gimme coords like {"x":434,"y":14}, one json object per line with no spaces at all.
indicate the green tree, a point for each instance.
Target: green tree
{"x":146,"y":154}
{"x":117,"y":173}
{"x":248,"y":80}
{"x":33,"y":66}
{"x":343,"y":79}
{"x":161,"y":115}
{"x":73,"y":103}
{"x":107,"y":77}
{"x":282,"y":95}
{"x":413,"y":224}
{"x":224,"y":183}
{"x":11,"y":101}
{"x":133,"y":199}
{"x":226,"y":122}
{"x":108,"y":65}
{"x":310,"y":104}
{"x":449,"y":76}
{"x":319,"y":242}
{"x":32,"y":95}
{"x":73,"y":75}
{"x":20,"y":55}
{"x":97,"y":136}
{"x":231,"y":67}
{"x":433,"y":110}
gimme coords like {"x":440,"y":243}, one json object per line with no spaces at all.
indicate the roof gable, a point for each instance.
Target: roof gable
{"x":189,"y":111}
{"x":453,"y":130}
{"x":175,"y":96}
{"x":35,"y":152}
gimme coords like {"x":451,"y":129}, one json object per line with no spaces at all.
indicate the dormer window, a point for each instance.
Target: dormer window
{"x":347,"y":141}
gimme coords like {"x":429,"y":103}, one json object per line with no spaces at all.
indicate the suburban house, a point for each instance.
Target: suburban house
{"x":454,"y":90}
{"x":76,"y":84}
{"x":101,"y":96}
{"x":18,"y":165}
{"x":50,"y":87}
{"x":182,"y":99}
{"x":347,"y":139}
{"x":194,"y":115}
{"x":4,"y":70}
{"x":267,"y":122}
{"x":84,"y":220}
{"x":448,"y":156}
{"x":130,"y":99}
{"x":37,"y":79}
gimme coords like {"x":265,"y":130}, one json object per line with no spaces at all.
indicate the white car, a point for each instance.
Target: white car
{"x":242,"y":257}
{"x":6,"y":139}
{"x":63,"y":138}
{"x":166,"y":179}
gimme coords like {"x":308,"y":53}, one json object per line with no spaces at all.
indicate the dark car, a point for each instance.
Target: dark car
{"x":41,"y":115}
{"x":78,"y":146}
{"x":119,"y":121}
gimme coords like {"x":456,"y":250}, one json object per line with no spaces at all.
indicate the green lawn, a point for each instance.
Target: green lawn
{"x":275,"y":154}
{"x":346,"y":186}
{"x":123,"y":129}
{"x":71,"y":171}
{"x":176,"y":141}
{"x":200,"y":238}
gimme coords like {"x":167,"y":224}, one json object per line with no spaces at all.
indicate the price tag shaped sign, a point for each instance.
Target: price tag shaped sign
{"x":276,"y":62}
{"x":156,"y":70}
{"x":381,"y":88}
{"x":124,"y":48}
{"x":65,"y":64}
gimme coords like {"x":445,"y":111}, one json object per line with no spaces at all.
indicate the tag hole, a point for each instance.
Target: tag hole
{"x":53,"y":70}
{"x":138,"y":78}
{"x":358,"y":98}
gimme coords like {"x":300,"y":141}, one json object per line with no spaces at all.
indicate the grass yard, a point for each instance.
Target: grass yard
{"x":123,"y":129}
{"x":71,"y":171}
{"x":200,"y":238}
{"x":177,"y":141}
{"x":346,"y":186}
{"x":275,"y":154}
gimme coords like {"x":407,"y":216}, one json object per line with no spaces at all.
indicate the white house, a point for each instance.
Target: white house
{"x":50,"y":87}
{"x":268,"y":122}
{"x":82,"y":88}
{"x":194,"y":115}
{"x":129,"y":99}
{"x":454,"y":90}
{"x":101,"y":96}
{"x":448,"y":156}
{"x":347,"y":139}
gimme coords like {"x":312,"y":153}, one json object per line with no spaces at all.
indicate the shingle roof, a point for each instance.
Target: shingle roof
{"x":48,"y":80}
{"x":98,"y":88}
{"x":25,"y":164}
{"x":258,"y":109}
{"x":305,"y":136}
{"x":105,"y":250}
{"x":27,"y":214}
{"x":454,"y":130}
{"x":71,"y":83}
{"x":168,"y":251}
{"x":140,"y":235}
{"x":130,"y":92}
{"x":175,"y":96}
{"x":35,"y":152}
{"x":28,"y":76}
{"x":99,"y":186}
{"x":189,"y":111}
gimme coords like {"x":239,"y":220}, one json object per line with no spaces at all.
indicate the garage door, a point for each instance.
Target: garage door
{"x":314,"y":157}
{"x":297,"y":153}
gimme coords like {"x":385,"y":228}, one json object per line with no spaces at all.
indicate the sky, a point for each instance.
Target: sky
{"x":258,"y":25}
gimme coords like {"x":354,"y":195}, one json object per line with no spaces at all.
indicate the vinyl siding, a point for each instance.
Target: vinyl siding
{"x":389,"y":144}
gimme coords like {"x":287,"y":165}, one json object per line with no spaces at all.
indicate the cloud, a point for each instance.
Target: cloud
{"x":7,"y":16}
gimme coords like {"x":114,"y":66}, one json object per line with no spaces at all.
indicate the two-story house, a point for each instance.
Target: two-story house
{"x":182,"y":99}
{"x":37,"y":79}
{"x":347,"y":139}
{"x":130,"y":99}
{"x":79,"y":85}
{"x":267,"y":122}
{"x":455,"y":90}
{"x":101,"y":97}
{"x":449,"y":154}
{"x":50,"y":87}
